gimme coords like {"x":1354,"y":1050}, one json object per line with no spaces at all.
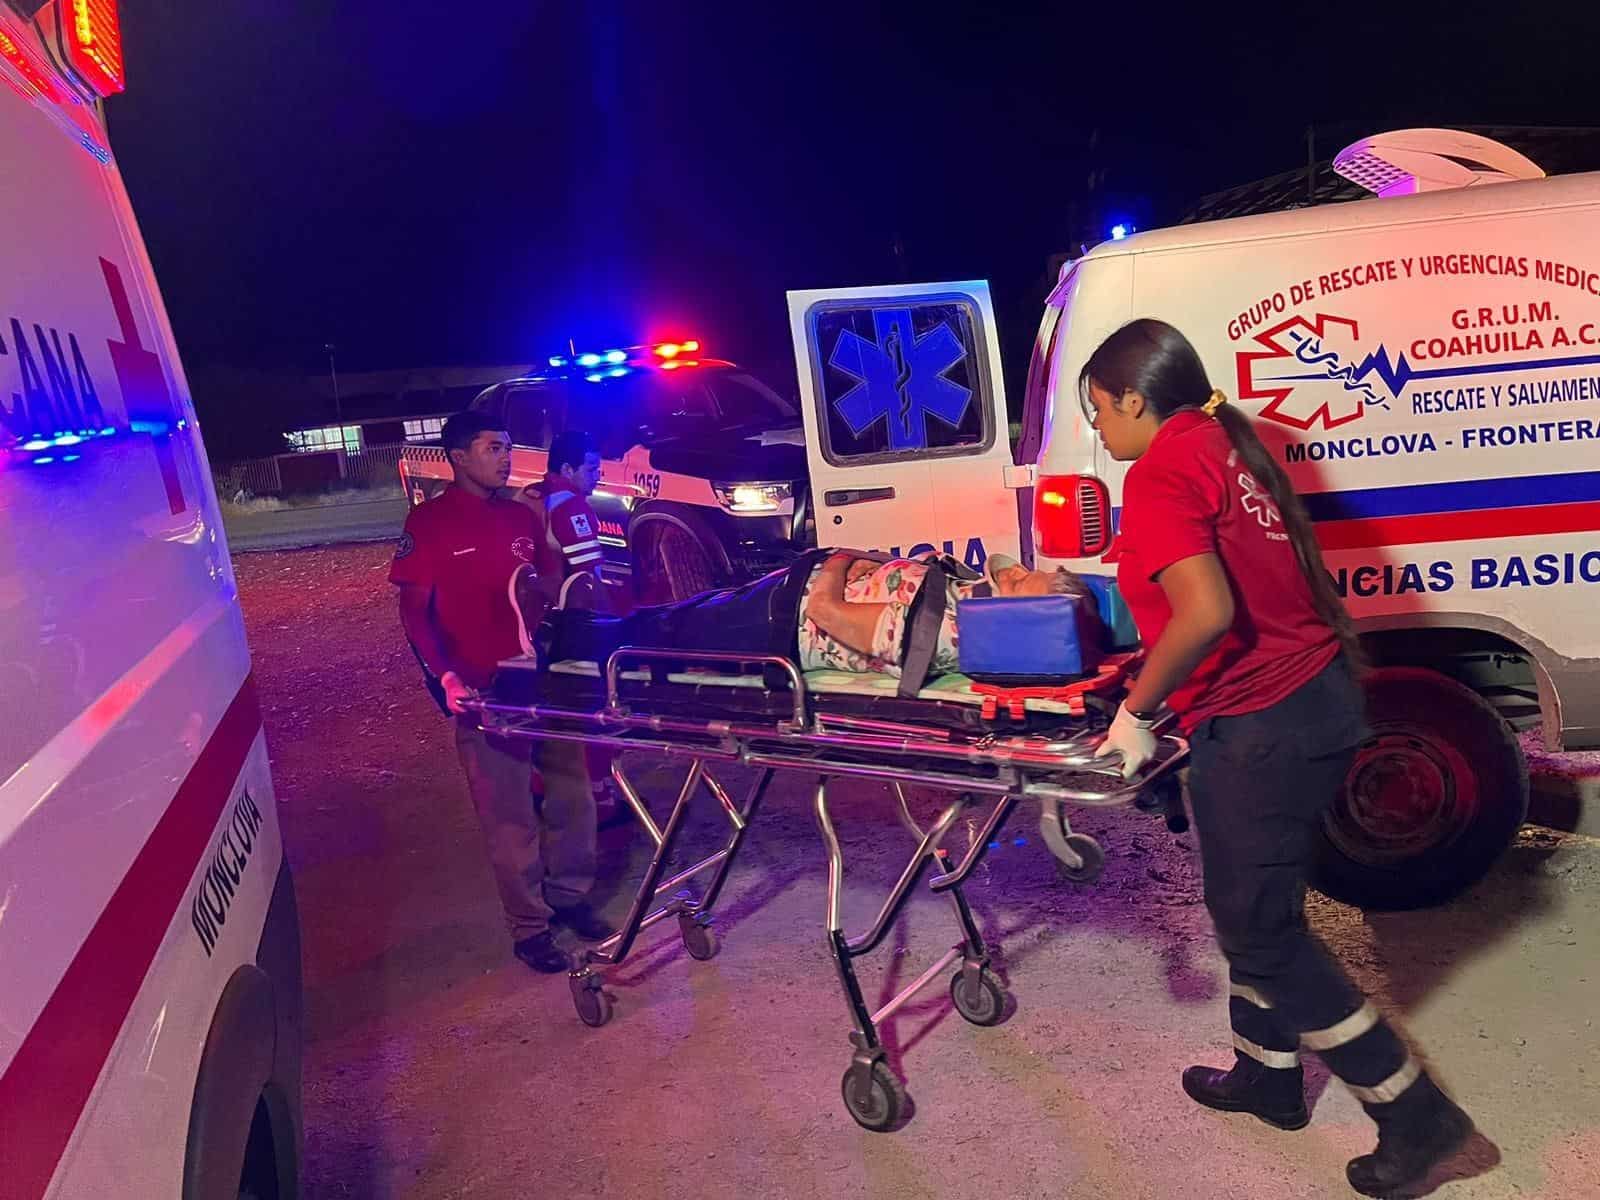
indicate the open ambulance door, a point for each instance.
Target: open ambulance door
{"x":905,"y":419}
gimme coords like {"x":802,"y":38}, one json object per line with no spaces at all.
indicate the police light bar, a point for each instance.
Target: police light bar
{"x":91,"y":35}
{"x":595,"y":362}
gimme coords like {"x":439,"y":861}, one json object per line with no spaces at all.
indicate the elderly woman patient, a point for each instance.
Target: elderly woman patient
{"x":854,"y":613}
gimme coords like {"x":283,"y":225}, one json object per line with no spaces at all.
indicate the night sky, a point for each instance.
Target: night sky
{"x":425,"y":183}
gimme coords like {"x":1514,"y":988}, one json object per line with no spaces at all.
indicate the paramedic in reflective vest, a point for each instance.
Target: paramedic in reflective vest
{"x":572,"y":472}
{"x":1249,"y":644}
{"x":572,"y":549}
{"x":453,"y":567}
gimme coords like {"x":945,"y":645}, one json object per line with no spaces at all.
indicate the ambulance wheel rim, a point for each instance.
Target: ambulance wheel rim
{"x":1406,"y":794}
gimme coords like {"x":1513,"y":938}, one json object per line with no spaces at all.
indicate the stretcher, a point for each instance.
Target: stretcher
{"x":987,"y":748}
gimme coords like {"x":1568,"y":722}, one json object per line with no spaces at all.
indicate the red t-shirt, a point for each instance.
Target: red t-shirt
{"x":465,"y":549}
{"x":1190,"y":494}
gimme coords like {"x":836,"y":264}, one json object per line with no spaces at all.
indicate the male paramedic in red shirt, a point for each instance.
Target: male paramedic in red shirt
{"x":453,"y":566}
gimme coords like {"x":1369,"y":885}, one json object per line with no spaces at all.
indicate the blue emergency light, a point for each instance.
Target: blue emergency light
{"x":65,"y":438}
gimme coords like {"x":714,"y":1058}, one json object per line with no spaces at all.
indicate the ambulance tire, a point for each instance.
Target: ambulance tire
{"x":1433,"y":799}
{"x":245,"y":1117}
{"x":675,"y":556}
{"x":239,"y":1129}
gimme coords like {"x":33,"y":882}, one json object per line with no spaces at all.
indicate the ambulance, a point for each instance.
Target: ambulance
{"x":149,"y":947}
{"x":1426,"y":365}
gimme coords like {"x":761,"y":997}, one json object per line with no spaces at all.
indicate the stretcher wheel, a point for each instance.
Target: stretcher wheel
{"x":594,"y":1006}
{"x":884,"y":1100}
{"x":698,"y":939}
{"x":1094,"y":859}
{"x":982,"y":1000}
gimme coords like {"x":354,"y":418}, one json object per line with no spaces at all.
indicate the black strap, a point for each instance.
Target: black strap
{"x":922,"y":632}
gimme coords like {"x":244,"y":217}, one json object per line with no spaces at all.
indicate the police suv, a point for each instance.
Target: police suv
{"x":703,"y":466}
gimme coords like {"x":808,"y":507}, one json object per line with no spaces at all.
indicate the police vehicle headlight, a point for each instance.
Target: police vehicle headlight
{"x":753,"y":499}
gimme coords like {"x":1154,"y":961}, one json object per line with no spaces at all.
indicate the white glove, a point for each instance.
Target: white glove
{"x":1130,"y":737}
{"x":456,"y":692}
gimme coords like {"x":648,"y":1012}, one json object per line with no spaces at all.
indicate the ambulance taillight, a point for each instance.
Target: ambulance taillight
{"x":1071,"y":516}
{"x":91,"y":35}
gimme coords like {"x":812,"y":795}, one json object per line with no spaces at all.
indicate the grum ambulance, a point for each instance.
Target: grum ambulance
{"x":1426,"y":365}
{"x":149,"y":948}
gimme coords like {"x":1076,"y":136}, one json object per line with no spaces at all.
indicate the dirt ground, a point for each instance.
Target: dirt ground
{"x":437,"y":1066}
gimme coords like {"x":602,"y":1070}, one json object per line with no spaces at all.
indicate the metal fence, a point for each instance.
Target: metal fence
{"x":306,"y":473}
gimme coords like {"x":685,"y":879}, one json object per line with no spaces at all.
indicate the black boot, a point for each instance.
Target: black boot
{"x":1275,"y":1095}
{"x":1416,"y":1132}
{"x":542,"y":954}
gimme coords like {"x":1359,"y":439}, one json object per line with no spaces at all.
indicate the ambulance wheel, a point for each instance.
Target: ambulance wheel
{"x":982,"y":1001}
{"x":1432,"y":800}
{"x":672,"y":558}
{"x":877,"y":1106}
{"x":1094,"y":859}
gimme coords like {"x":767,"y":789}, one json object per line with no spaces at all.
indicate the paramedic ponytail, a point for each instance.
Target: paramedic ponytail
{"x":1152,"y":358}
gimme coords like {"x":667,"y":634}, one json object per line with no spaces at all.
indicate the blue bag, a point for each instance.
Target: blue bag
{"x":1026,"y":639}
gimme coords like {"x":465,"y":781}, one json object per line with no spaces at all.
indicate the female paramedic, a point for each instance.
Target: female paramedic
{"x":1250,"y":645}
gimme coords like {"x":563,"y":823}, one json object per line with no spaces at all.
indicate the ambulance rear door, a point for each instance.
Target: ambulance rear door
{"x":904,"y":405}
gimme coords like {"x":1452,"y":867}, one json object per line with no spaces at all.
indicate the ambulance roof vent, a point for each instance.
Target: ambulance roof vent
{"x":1430,"y":160}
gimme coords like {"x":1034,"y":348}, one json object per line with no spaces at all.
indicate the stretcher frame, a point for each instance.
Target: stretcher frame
{"x":997,"y":769}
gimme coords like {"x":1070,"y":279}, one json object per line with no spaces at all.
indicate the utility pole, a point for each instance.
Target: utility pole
{"x":333,"y":374}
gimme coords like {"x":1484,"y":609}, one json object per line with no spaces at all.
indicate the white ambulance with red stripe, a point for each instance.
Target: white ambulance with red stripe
{"x":1426,"y":363}
{"x":149,"y":948}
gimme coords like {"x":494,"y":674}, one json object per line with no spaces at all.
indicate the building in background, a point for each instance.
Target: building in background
{"x":386,"y":408}
{"x":301,"y":434}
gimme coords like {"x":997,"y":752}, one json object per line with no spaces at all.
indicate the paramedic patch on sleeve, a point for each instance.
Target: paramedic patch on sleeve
{"x":580,"y":525}
{"x":404,"y":547}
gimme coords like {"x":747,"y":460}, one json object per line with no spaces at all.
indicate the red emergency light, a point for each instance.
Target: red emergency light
{"x":28,"y":69}
{"x":1072,"y":516}
{"x":92,"y":33}
{"x":671,"y":350}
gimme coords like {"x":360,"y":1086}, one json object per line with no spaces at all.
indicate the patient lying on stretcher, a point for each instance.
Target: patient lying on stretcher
{"x":842,"y":610}
{"x":854,"y":613}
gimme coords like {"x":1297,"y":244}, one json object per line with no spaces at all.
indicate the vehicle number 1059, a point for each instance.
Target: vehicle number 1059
{"x":648,"y":483}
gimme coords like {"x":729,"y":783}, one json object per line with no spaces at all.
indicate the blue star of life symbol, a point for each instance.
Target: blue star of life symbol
{"x":901,"y":378}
